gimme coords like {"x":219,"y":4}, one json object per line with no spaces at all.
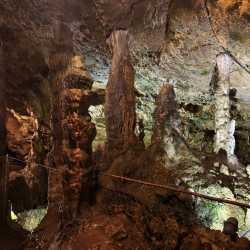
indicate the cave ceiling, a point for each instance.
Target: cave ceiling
{"x":171,"y":41}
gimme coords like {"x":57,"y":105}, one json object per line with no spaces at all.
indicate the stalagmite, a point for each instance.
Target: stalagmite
{"x":167,"y":122}
{"x":79,"y":132}
{"x":59,"y":64}
{"x":224,"y":127}
{"x":120,"y":112}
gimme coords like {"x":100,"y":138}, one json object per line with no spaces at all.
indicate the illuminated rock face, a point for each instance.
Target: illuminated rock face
{"x":222,"y":104}
{"x":242,"y":6}
{"x":22,"y":138}
{"x":223,"y":122}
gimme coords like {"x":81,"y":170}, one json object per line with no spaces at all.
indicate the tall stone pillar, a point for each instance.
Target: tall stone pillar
{"x":79,"y":132}
{"x":223,"y":128}
{"x":56,"y":161}
{"x":59,"y":64}
{"x":167,"y":124}
{"x":120,"y":111}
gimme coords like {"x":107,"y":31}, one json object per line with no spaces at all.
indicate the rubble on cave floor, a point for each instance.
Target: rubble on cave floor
{"x":121,"y":221}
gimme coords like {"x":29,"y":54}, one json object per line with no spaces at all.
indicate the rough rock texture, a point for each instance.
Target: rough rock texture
{"x":167,"y":125}
{"x":198,"y":126}
{"x":166,"y":114}
{"x":27,"y":181}
{"x":21,"y":130}
{"x":70,"y":176}
{"x":168,"y":129}
{"x":169,"y":43}
{"x":58,"y":63}
{"x":222,"y":103}
{"x":120,"y":97}
{"x":123,"y":220}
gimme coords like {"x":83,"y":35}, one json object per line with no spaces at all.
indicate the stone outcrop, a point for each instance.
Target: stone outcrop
{"x":21,"y":130}
{"x":120,"y":112}
{"x":78,"y":75}
{"x":27,"y":180}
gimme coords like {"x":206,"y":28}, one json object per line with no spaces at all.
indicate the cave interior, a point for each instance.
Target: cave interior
{"x":124,"y":124}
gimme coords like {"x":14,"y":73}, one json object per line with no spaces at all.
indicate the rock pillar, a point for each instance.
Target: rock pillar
{"x":79,"y":132}
{"x":59,"y":61}
{"x":120,"y":111}
{"x":167,"y":123}
{"x":223,"y":124}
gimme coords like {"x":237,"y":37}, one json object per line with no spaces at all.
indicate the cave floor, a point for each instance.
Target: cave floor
{"x":11,"y":239}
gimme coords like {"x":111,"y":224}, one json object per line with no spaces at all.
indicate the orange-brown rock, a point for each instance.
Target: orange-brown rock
{"x":27,"y":181}
{"x":120,"y":112}
{"x":78,"y":77}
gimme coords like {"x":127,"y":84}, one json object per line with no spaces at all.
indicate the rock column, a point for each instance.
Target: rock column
{"x":79,"y":132}
{"x":120,"y":111}
{"x":167,"y":123}
{"x":221,"y":85}
{"x":56,"y":159}
{"x":59,"y":64}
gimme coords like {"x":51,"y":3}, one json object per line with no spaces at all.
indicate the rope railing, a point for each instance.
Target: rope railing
{"x":178,"y":190}
{"x":37,"y":164}
{"x":155,"y":185}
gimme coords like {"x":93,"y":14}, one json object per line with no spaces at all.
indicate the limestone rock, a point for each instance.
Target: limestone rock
{"x":120,"y":112}
{"x":79,"y":77}
{"x":27,"y":181}
{"x":20,"y":133}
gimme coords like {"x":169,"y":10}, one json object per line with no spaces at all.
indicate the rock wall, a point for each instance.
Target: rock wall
{"x":27,"y":180}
